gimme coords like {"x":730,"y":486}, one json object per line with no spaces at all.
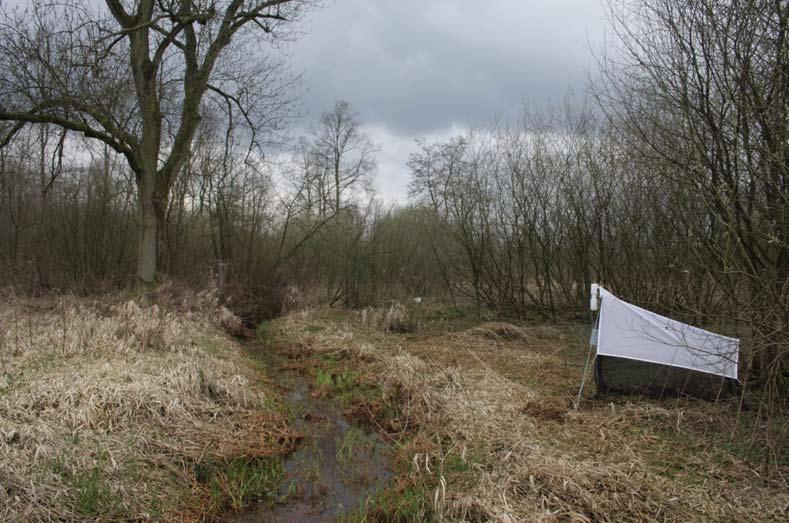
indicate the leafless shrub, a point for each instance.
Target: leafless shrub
{"x":258,"y":298}
{"x":292,"y":299}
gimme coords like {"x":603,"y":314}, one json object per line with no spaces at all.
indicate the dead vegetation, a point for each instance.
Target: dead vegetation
{"x":486,"y":429}
{"x":116,"y":408}
{"x":141,"y":409}
{"x":396,"y":318}
{"x":499,"y":331}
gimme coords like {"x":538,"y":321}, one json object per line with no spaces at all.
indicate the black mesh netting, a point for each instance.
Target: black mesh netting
{"x":621,"y":375}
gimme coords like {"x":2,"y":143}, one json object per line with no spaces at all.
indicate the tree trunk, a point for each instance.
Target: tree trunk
{"x":149,"y":230}
{"x":337,"y":189}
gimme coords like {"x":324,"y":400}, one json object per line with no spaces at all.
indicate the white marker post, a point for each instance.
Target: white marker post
{"x":594,"y":307}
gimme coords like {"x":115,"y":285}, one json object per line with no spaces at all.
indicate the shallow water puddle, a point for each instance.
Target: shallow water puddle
{"x":336,"y":469}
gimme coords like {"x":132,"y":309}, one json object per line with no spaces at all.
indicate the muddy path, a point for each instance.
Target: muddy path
{"x":338,"y":465}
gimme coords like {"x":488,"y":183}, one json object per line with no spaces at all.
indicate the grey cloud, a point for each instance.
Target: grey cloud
{"x":418,"y":66}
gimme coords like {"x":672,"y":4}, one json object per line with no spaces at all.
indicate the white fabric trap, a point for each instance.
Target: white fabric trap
{"x":628,"y":331}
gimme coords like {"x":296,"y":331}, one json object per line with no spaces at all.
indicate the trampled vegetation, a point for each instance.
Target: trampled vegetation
{"x":155,"y":212}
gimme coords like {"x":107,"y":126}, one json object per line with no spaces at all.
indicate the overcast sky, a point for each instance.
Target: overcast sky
{"x":429,"y":68}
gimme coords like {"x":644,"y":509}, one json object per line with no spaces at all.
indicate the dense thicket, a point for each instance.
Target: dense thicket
{"x":540,"y":209}
{"x":72,"y":225}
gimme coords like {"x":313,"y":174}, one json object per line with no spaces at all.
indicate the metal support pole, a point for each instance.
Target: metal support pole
{"x":592,"y":345}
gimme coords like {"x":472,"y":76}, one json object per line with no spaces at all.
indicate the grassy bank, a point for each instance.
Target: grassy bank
{"x":131,"y":407}
{"x":481,"y":417}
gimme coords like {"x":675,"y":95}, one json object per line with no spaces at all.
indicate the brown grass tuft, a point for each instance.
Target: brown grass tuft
{"x":393,"y":319}
{"x":500,"y":331}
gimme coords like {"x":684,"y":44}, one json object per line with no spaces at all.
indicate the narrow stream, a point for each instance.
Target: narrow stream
{"x":336,"y":468}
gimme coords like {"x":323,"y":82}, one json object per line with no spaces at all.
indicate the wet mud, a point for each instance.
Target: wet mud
{"x":336,"y":469}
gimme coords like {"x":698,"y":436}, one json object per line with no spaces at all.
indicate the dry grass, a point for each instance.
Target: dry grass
{"x":499,"y":331}
{"x":395,"y":318}
{"x":108,"y":407}
{"x":485,"y":421}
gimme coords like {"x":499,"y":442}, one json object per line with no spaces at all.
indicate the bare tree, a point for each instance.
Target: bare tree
{"x":344,"y":151}
{"x":135,"y":76}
